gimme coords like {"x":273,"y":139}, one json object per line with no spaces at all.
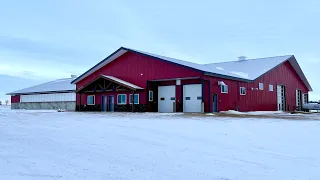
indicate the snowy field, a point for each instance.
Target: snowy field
{"x":47,"y":145}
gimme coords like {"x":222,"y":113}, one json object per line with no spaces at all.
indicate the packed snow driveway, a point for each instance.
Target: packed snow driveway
{"x":66,"y":146}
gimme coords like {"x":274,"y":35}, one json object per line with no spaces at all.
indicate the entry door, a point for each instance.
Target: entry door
{"x":103,"y":103}
{"x":166,"y":98}
{"x":214,"y":103}
{"x":281,"y":97}
{"x":298,"y":99}
{"x":111,"y":103}
{"x":192,"y":98}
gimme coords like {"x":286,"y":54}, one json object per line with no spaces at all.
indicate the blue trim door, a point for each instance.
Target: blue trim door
{"x":103,"y":103}
{"x":111,"y":103}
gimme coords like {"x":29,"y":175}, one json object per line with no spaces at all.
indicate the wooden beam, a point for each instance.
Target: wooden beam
{"x":109,"y":85}
{"x":100,"y":86}
{"x":109,"y":90}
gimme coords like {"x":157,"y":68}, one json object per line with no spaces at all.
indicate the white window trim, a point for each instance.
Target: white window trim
{"x":245,"y":92}
{"x":270,"y":86}
{"x":133,"y":99}
{"x":125,"y":99}
{"x":262,"y":86}
{"x":94,"y":99}
{"x":226,"y":91}
{"x":150,"y":99}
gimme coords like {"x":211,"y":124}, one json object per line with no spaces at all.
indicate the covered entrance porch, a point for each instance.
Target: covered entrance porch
{"x":108,"y":93}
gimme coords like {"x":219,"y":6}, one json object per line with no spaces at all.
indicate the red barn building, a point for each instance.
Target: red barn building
{"x":132,"y":80}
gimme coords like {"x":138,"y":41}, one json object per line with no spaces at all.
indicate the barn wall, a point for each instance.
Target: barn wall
{"x":69,"y":106}
{"x":137,"y":69}
{"x":259,"y":100}
{"x":15,"y":99}
{"x":54,"y":97}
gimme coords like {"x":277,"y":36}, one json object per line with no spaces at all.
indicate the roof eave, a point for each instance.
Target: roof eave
{"x":42,"y":92}
{"x":303,"y":78}
{"x":227,"y":77}
{"x":85,"y":73}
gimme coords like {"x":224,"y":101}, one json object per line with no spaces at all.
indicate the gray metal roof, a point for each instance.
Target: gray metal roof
{"x":59,"y":85}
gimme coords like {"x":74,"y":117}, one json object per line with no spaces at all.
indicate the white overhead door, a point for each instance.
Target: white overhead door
{"x":166,"y":98}
{"x":192,"y":98}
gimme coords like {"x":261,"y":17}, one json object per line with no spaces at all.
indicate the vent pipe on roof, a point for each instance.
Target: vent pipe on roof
{"x":74,"y":76}
{"x":242,"y":58}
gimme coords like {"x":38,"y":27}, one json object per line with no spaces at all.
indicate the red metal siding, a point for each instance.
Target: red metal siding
{"x":98,"y":97}
{"x":259,"y":100}
{"x":137,"y":69}
{"x":15,"y":99}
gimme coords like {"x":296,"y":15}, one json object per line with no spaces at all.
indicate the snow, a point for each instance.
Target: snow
{"x":255,"y":112}
{"x":249,"y":69}
{"x":70,"y":145}
{"x":52,"y":86}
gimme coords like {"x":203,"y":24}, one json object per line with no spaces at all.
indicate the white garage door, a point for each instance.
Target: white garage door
{"x":166,"y":98}
{"x":192,"y":98}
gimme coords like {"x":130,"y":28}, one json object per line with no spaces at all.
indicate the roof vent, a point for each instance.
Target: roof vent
{"x":74,"y":76}
{"x":242,"y":58}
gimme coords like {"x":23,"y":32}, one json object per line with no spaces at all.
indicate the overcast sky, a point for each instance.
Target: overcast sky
{"x":45,"y":40}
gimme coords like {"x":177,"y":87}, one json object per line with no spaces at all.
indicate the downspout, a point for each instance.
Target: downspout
{"x":202,"y":95}
{"x":238,"y":97}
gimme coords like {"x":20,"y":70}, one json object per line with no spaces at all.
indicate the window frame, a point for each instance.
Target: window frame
{"x":260,"y":83}
{"x":94,"y":99}
{"x":245,"y":91}
{"x":150,"y":99}
{"x":125,"y":99}
{"x":226,"y":92}
{"x":133,"y":98}
{"x":270,"y":85}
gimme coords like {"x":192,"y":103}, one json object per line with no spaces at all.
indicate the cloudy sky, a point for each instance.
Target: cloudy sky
{"x":45,"y":40}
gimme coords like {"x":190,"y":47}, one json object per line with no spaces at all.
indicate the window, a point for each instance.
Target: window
{"x":150,"y":95}
{"x":188,"y":98}
{"x":242,"y":91}
{"x":199,"y":98}
{"x":91,"y":100}
{"x":122,"y":99}
{"x":172,"y":98}
{"x":136,"y":99}
{"x":270,"y":87}
{"x":261,"y":86}
{"x":224,"y":88}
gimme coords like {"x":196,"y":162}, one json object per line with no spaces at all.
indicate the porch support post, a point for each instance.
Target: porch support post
{"x":132,"y":99}
{"x":80,"y":102}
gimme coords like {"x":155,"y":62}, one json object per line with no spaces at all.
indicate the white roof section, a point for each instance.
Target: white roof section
{"x":59,"y":85}
{"x":248,"y":70}
{"x":120,"y":81}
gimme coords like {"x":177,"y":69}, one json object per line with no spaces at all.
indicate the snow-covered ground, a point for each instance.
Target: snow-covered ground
{"x":50,"y":145}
